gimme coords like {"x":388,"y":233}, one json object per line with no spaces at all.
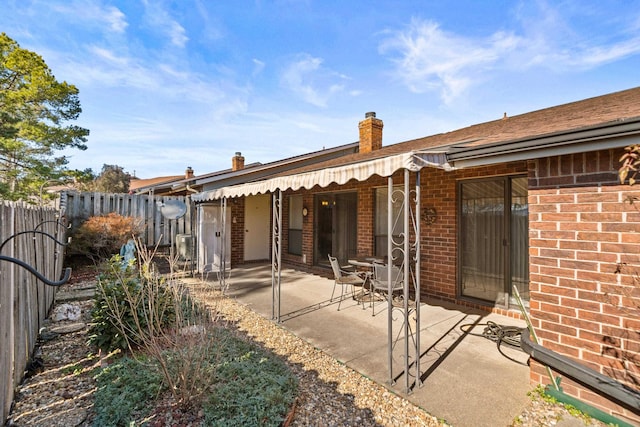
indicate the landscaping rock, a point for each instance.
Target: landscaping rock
{"x":66,"y":312}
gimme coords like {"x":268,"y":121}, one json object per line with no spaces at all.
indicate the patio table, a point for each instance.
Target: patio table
{"x":365,"y":264}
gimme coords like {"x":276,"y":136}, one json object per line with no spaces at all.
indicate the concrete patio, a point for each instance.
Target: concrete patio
{"x":466,"y":380}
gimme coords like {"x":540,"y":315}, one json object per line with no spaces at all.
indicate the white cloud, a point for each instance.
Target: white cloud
{"x":315,"y":84}
{"x":116,"y":19}
{"x":92,"y":12}
{"x":258,"y":67}
{"x":177,"y":34}
{"x":572,"y":37}
{"x":428,"y":58}
{"x":160,"y":19}
{"x":213,"y":27}
{"x":600,"y":55}
{"x":105,"y":68}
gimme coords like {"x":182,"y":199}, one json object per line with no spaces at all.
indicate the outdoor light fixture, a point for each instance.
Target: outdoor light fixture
{"x":304,"y":211}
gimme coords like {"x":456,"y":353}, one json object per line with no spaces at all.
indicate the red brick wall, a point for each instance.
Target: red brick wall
{"x":438,"y":244}
{"x":439,"y":241}
{"x":581,"y":234}
{"x":366,"y":220}
{"x":237,"y":230}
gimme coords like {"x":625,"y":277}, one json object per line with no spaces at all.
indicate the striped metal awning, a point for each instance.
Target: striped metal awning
{"x":361,"y":171}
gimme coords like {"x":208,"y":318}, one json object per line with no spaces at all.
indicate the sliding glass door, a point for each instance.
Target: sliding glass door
{"x":493,"y":240}
{"x":336,"y":230}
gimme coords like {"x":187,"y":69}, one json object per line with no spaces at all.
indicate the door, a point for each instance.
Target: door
{"x":336,"y":229}
{"x":211,"y":238}
{"x":493,"y":239}
{"x":257,"y":222}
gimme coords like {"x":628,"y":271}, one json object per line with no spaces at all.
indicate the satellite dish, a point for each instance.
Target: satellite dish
{"x":172,"y":209}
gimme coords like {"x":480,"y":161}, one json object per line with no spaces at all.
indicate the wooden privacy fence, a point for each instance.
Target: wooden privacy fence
{"x":25,"y":300}
{"x":78,"y":207}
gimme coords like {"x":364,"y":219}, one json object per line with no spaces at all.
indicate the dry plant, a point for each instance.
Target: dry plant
{"x":630,"y":164}
{"x":162,"y":321}
{"x":223,"y":280}
{"x":101,"y":236}
{"x":623,"y":344}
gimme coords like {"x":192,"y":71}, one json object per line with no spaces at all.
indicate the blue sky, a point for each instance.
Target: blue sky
{"x":170,"y":84}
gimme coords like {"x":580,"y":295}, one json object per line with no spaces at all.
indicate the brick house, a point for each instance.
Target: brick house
{"x":531,"y":201}
{"x":245,"y":217}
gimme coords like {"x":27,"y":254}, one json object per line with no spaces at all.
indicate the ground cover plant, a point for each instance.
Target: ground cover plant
{"x":251,"y":387}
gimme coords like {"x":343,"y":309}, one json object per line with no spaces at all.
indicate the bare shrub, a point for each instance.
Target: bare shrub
{"x":100,"y":237}
{"x":157,"y":318}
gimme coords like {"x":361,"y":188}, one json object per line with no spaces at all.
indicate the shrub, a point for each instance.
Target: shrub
{"x":138,"y":310}
{"x":121,"y":313}
{"x":100,"y":237}
{"x":178,"y":338}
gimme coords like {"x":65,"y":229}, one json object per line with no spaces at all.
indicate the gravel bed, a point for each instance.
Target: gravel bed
{"x":331,"y":394}
{"x":59,"y":388}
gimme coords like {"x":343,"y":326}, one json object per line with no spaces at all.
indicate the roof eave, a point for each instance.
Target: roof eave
{"x":601,"y":137}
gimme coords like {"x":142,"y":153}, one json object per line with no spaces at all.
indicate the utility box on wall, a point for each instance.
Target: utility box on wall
{"x":184,"y":246}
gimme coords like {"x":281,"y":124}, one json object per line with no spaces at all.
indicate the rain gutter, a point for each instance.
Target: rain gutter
{"x":601,"y":137}
{"x":602,"y":384}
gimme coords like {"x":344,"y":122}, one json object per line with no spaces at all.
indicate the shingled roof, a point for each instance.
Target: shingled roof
{"x":602,"y":110}
{"x":588,"y":125}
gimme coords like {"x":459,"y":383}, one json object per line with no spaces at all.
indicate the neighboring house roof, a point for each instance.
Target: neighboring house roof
{"x":190,"y":185}
{"x":256,"y":172}
{"x":260,"y":171}
{"x":250,"y":172}
{"x":602,"y":122}
{"x":144,"y":185}
{"x":60,"y":188}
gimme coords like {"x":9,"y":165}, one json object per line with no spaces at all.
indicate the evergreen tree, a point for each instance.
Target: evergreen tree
{"x":34,"y":113}
{"x":112,"y":179}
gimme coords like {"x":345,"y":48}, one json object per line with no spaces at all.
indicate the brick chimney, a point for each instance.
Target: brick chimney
{"x":188,"y":174}
{"x":237,"y":162}
{"x":370,"y":133}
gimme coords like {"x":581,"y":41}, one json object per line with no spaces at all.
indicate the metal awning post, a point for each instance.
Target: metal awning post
{"x":406,"y":263}
{"x":276,"y":255}
{"x":406,"y":248}
{"x":223,"y":248}
{"x":418,"y":239}
{"x":390,"y":227}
